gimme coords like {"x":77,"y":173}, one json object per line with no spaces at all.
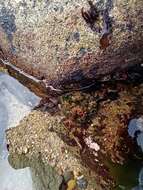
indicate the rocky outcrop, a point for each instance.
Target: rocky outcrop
{"x":69,"y":44}
{"x":87,"y":135}
{"x":45,"y":153}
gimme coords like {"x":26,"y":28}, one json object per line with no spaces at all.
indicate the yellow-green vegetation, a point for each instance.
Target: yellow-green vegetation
{"x":71,"y":184}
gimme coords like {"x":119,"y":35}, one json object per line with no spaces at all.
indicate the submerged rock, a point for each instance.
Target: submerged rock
{"x":88,"y":130}
{"x":54,"y":41}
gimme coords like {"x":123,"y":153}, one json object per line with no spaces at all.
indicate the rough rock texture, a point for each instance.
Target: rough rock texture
{"x":50,"y":39}
{"x":44,"y":177}
{"x":103,"y":116}
{"x":89,"y":129}
{"x":47,"y":150}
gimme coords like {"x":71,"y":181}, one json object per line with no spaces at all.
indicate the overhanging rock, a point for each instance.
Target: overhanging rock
{"x":58,"y":44}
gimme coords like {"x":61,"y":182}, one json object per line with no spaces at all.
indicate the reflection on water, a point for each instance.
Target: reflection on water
{"x":16,"y":102}
{"x":140,"y":181}
{"x":127,"y":175}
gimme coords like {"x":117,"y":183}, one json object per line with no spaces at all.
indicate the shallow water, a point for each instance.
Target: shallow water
{"x":127,"y":175}
{"x":16,"y":102}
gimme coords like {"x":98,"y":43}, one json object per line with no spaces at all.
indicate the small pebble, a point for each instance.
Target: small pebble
{"x":25,"y":150}
{"x":82,"y":183}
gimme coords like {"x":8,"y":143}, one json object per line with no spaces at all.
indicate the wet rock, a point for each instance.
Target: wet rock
{"x":100,"y":135}
{"x":46,"y":148}
{"x":52,"y":41}
{"x":16,"y":102}
{"x":102,"y":123}
{"x":82,"y":182}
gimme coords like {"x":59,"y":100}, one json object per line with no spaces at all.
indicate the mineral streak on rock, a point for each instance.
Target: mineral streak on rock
{"x":52,"y":41}
{"x":35,"y":85}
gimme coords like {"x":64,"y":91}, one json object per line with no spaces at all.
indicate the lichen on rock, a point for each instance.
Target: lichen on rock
{"x":88,"y":72}
{"x":43,"y":144}
{"x":89,"y":128}
{"x":51,"y":40}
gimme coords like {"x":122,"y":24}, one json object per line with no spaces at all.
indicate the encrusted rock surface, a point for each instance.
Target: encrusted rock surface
{"x":50,"y":39}
{"x":44,"y":146}
{"x":89,"y":129}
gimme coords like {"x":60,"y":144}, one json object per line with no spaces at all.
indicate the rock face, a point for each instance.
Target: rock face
{"x":89,"y":130}
{"x":60,"y":42}
{"x":51,"y":155}
{"x":36,"y":136}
